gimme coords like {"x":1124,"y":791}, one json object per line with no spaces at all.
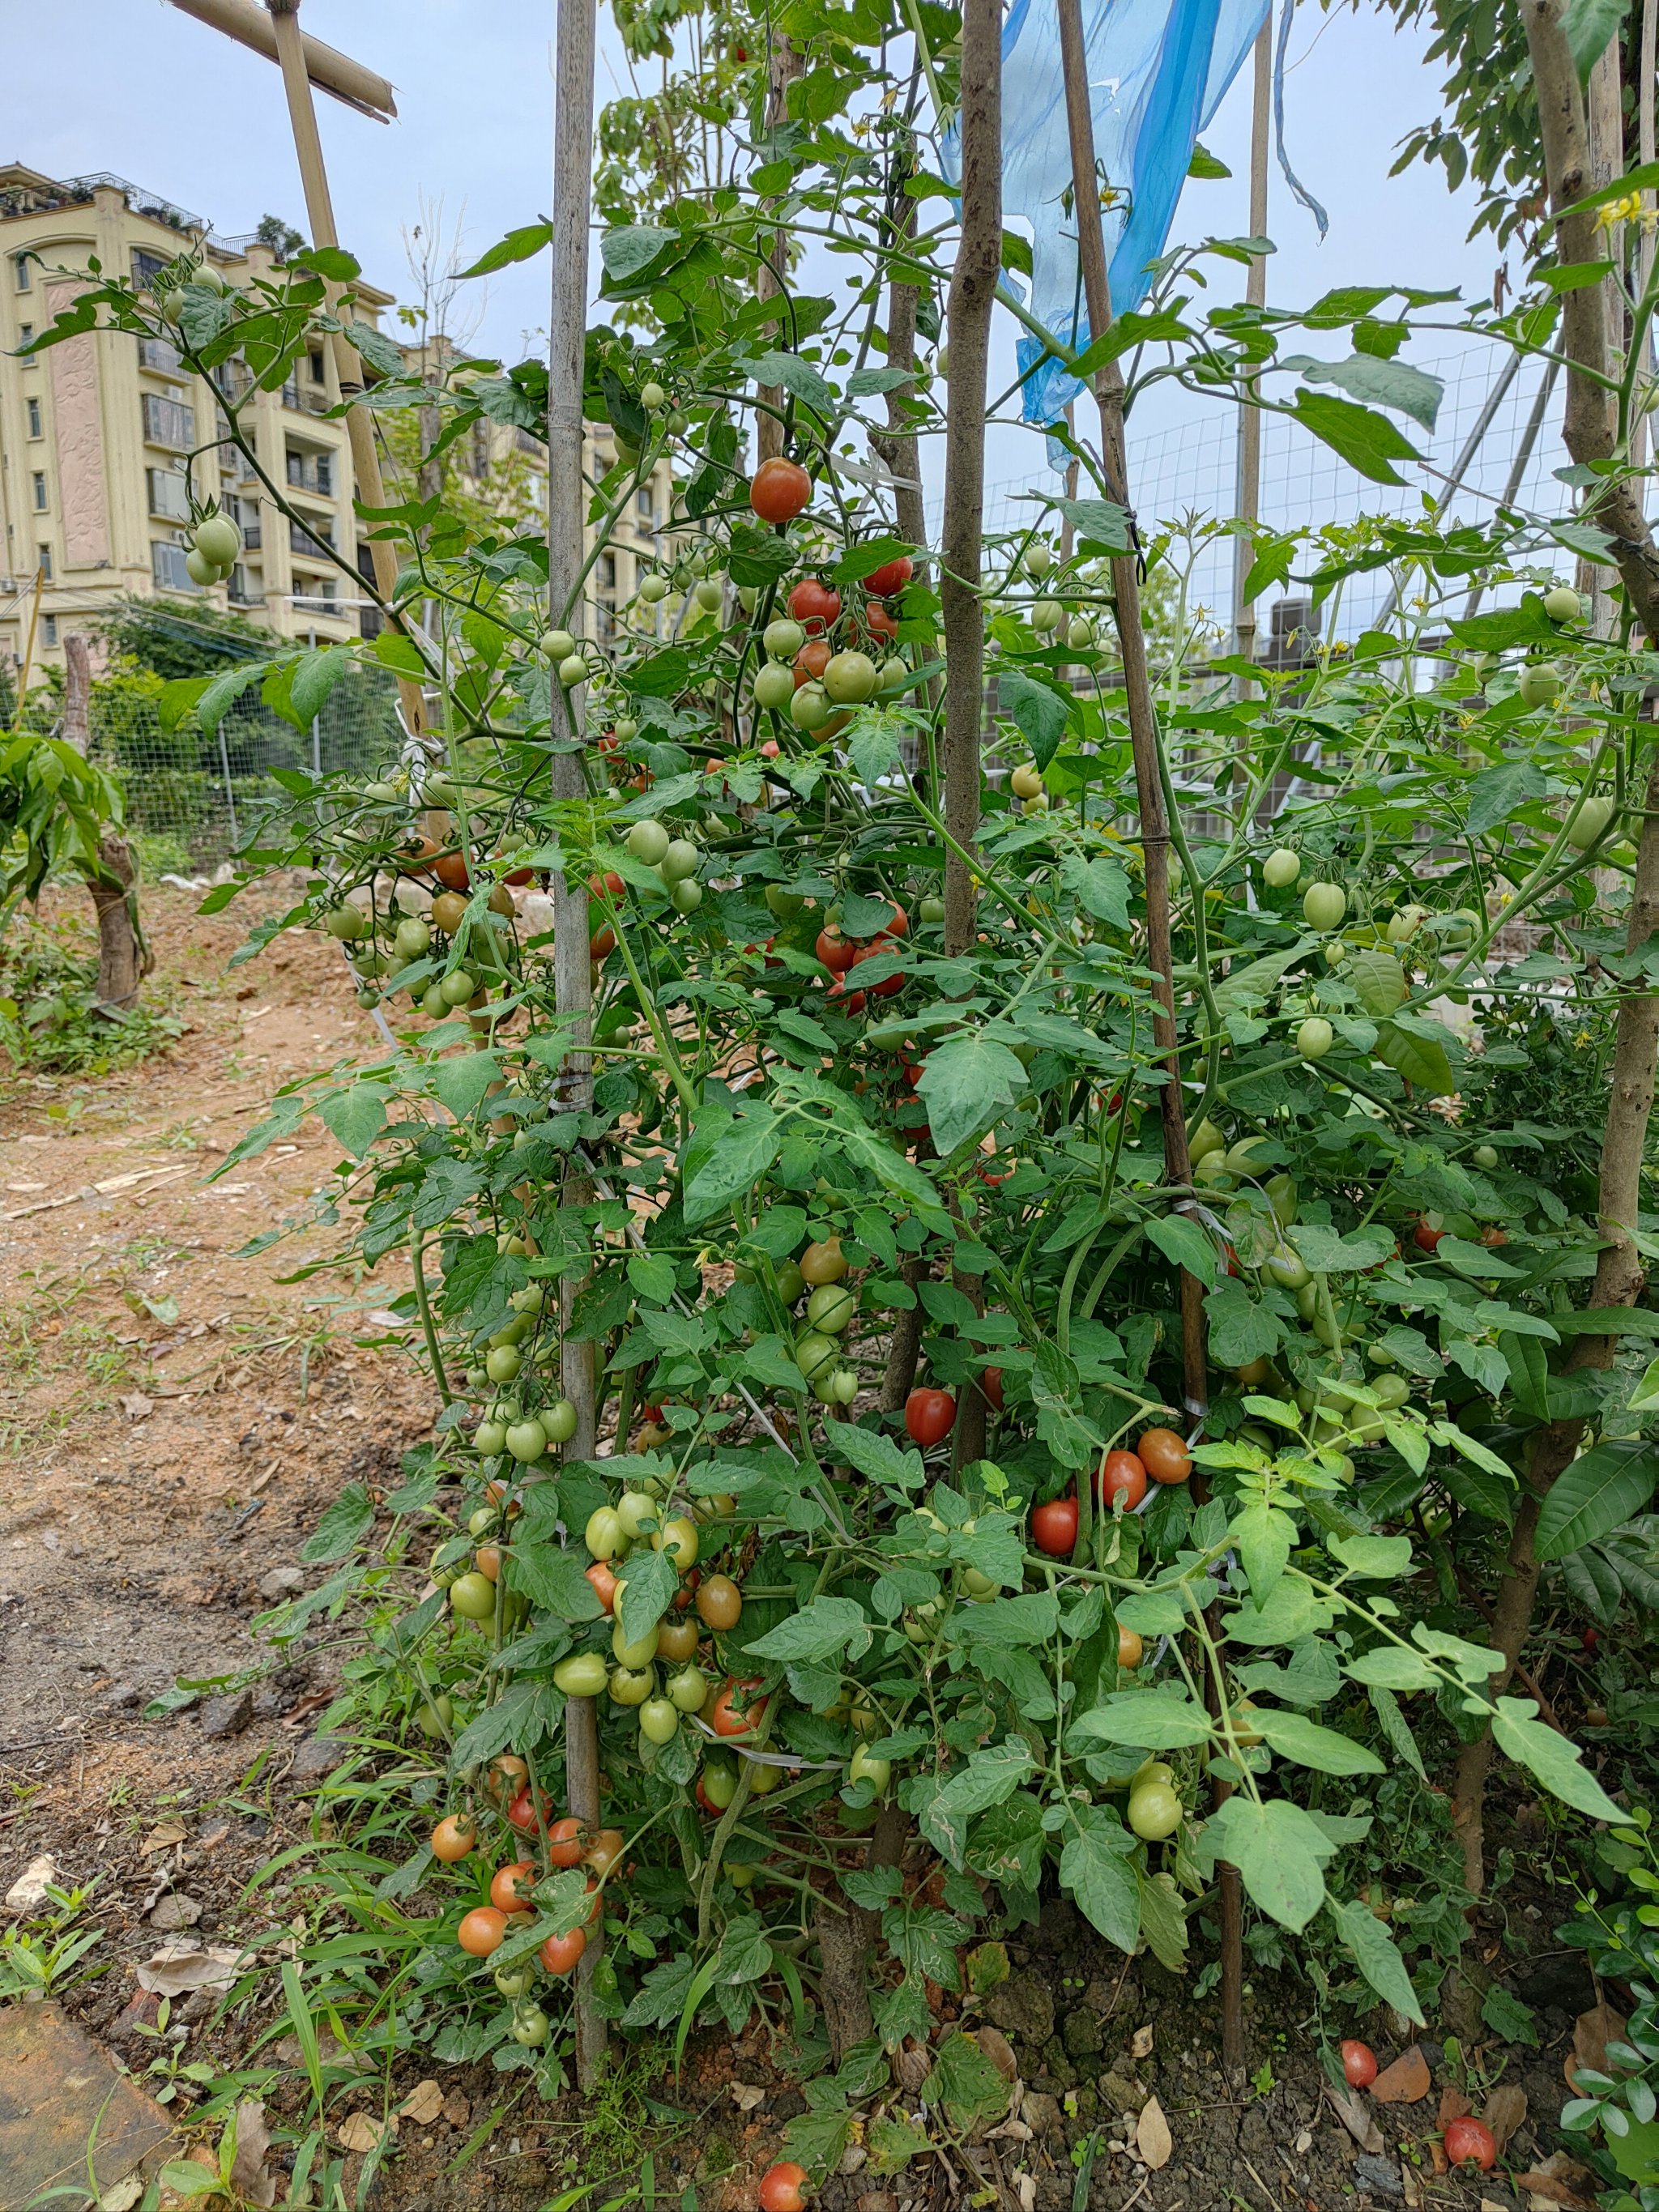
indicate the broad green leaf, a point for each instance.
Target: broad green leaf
{"x":627,"y":253}
{"x":1099,"y":886}
{"x":1368,"y":441}
{"x":990,"y":1776}
{"x":354,"y":1117}
{"x":818,"y":1630}
{"x":1392,"y":1721}
{"x":1496,"y":793}
{"x":1264,"y":1536}
{"x":1377,"y":1957}
{"x":1150,"y":1720}
{"x":461,"y":1085}
{"x":518,"y":245}
{"x":1601,"y":1489}
{"x":1547,"y":1755}
{"x":343,"y":1527}
{"x":1381,"y":1558}
{"x":1393,"y":384}
{"x":967,"y":1084}
{"x":1380,"y":981}
{"x":507,"y":1721}
{"x":645,"y":1594}
{"x":966,"y":2081}
{"x":872,"y":553}
{"x":1181,"y":1240}
{"x":1100,"y":519}
{"x":875,"y":1456}
{"x":739,"y":1155}
{"x":1329,"y":1253}
{"x":1420,"y":1060}
{"x":1279,"y":1852}
{"x":1095,"y":1866}
{"x":552,"y":1578}
{"x":1586,"y":26}
{"x":1039,"y":712}
{"x":1295,"y":1737}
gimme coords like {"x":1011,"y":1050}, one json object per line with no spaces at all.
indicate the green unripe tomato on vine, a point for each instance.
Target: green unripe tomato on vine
{"x":1080,"y":633}
{"x":687,"y":896}
{"x":411,"y":939}
{"x":648,"y":841}
{"x":653,"y":590}
{"x":863,"y":1767}
{"x":660,"y":1721}
{"x":433,"y":1003}
{"x":1562,"y":604}
{"x":1315,"y":1038}
{"x":775,"y":686}
{"x":1047,"y":616}
{"x":783,"y":639}
{"x":652,"y":399}
{"x":710,"y":595}
{"x":830,"y":1309}
{"x":473,"y":1596}
{"x":348,"y":923}
{"x":1039,"y":558}
{"x":583,"y":1675}
{"x":783,"y":905}
{"x":1324,"y":905}
{"x":632,"y":1686}
{"x":1280,"y":869}
{"x":527,"y":1441}
{"x":573,"y":671}
{"x":1589,"y":823}
{"x":490,"y":1439}
{"x":558,"y":645}
{"x":893,"y":674}
{"x":679,"y":861}
{"x":502,"y":1366}
{"x":810,"y":709}
{"x":850,"y":678}
{"x":559,"y":1421}
{"x":1540,"y":684}
{"x":1486,"y":1156}
{"x":932,"y":911}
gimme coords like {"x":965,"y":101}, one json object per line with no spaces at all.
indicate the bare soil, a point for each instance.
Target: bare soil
{"x":179,"y":1415}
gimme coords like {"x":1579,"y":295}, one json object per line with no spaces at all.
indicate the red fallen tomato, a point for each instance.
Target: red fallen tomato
{"x":1358,"y":2064}
{"x":604,"y":1584}
{"x":815,"y":603}
{"x":990,"y":1384}
{"x":811,"y":660}
{"x":1164,"y":1455}
{"x":889,"y":984}
{"x":602,"y":943}
{"x":880,"y":621}
{"x":891,"y":576}
{"x":559,"y":1953}
{"x":565,"y":1842}
{"x":1122,"y":1475}
{"x":1471,"y":2143}
{"x":1426,"y":1238}
{"x":731,"y":1713}
{"x":783,"y":2187}
{"x":609,"y":885}
{"x":527,"y":1814}
{"x":1589,"y":1639}
{"x":837,"y":952}
{"x":1054,"y":1527}
{"x":929,"y":1417}
{"x":779,"y":491}
{"x":450,"y":869}
{"x":509,"y":1886}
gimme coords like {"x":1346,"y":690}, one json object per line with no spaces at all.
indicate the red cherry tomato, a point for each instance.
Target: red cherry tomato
{"x":1426,"y":1238}
{"x":1164,"y":1455}
{"x":990,"y":1384}
{"x":565,"y":1843}
{"x":733,"y":1713}
{"x":481,"y":1930}
{"x":1589,"y":1639}
{"x":783,"y":2187}
{"x":880,"y":621}
{"x":815,"y":605}
{"x":1471,"y":2143}
{"x":527,"y":1814}
{"x":811,"y":660}
{"x":1358,"y":2064}
{"x":837,"y":952}
{"x":898,"y":925}
{"x":892,"y":576}
{"x":602,"y":943}
{"x":846,"y":1001}
{"x":609,"y":885}
{"x":559,"y":1953}
{"x":778,"y":489}
{"x":1054,"y":1527}
{"x":889,"y":984}
{"x":1122,"y":1476}
{"x":604,"y":1584}
{"x":450,"y":869}
{"x":929,"y":1417}
{"x":509,"y":1886}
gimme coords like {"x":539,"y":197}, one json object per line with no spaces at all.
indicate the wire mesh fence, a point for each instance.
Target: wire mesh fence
{"x":1189,"y":467}
{"x":193,"y":797}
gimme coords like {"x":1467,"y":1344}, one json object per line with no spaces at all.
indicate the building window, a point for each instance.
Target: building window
{"x":647,"y":505}
{"x":302,"y":540}
{"x":160,"y":354}
{"x":316,"y":362}
{"x":166,"y":567}
{"x":167,"y":493}
{"x":23,"y":276}
{"x":39,"y":483}
{"x":168,"y":423}
{"x":25,"y":334}
{"x":32,"y":408}
{"x":44,"y":555}
{"x":49,"y":624}
{"x":325,"y":473}
{"x":608,"y":574}
{"x":146,"y":267}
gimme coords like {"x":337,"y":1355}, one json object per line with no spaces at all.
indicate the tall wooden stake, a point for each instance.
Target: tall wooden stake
{"x":572,"y":170}
{"x":973,"y":292}
{"x":347,"y":362}
{"x":1247,"y":501}
{"x":1155,"y":846}
{"x":785,"y":61}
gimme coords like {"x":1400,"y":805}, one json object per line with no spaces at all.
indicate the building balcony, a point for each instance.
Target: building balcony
{"x":304,"y":398}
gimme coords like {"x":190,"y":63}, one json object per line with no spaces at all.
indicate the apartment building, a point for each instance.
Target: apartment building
{"x":93,"y":433}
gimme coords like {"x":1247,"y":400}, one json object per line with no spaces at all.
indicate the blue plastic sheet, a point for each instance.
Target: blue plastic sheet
{"x":1157,"y":70}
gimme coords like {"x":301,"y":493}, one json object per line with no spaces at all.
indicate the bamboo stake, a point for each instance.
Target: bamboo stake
{"x":347,"y":362}
{"x":786,"y":62}
{"x":573,"y":167}
{"x":1246,"y":502}
{"x":1155,"y":846}
{"x":973,"y":293}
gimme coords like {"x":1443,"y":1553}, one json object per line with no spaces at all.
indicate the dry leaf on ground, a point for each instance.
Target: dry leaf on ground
{"x":1355,"y":2116}
{"x":746,"y":2095}
{"x":253,"y":2141}
{"x":1141,"y":2046}
{"x":1153,"y":2142}
{"x":184,"y":1963}
{"x":1406,"y":2081}
{"x":1506,"y":2108}
{"x":162,"y":1837}
{"x":424,"y":2104}
{"x":457,"y":2110}
{"x":1593,"y":2031}
{"x":1453,"y":2106}
{"x":361,"y":2131}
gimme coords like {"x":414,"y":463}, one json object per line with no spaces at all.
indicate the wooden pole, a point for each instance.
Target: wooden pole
{"x":785,"y":62}
{"x":572,"y":170}
{"x":348,"y":364}
{"x":330,"y":72}
{"x":973,"y":292}
{"x":1155,"y":847}
{"x":28,"y":642}
{"x":1649,"y":63}
{"x":1246,"y":502}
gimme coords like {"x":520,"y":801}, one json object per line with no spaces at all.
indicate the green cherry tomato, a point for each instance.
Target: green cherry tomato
{"x":1280,"y":869}
{"x":775,"y":685}
{"x":526,"y":1440}
{"x":863,"y":1767}
{"x":1315,"y":1038}
{"x":830,"y":1309}
{"x":659,"y":1720}
{"x":631,"y":1685}
{"x":530,"y":2026}
{"x":559,"y":1421}
{"x":648,"y":841}
{"x":472,"y":1595}
{"x":583,"y":1675}
{"x":688,"y":1690}
{"x":490,"y":1439}
{"x":502,"y":1366}
{"x":1324,"y":905}
{"x":1155,"y":1811}
{"x":636,"y":1655}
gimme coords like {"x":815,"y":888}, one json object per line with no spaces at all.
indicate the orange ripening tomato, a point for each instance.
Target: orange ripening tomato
{"x":1164,"y":1455}
{"x":604,"y":1584}
{"x":453,"y":1837}
{"x":880,"y":621}
{"x":783,"y":2187}
{"x":527,"y":1814}
{"x":731,"y":1713}
{"x":510,"y":1886}
{"x":559,"y":1953}
{"x":990,"y":1384}
{"x":451,"y":870}
{"x":779,"y":491}
{"x":602,"y":943}
{"x":836,"y":952}
{"x":811,"y":660}
{"x":481,"y":1930}
{"x":929,"y":1417}
{"x":565,"y":1842}
{"x":609,"y":885}
{"x":1123,"y":1476}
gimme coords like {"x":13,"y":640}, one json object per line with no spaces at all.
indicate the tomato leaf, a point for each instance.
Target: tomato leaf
{"x":1095,"y":1866}
{"x":1376,"y":1956}
{"x":1549,"y":1757}
{"x":966,"y":1084}
{"x":1295,"y":1737}
{"x":1601,"y":1489}
{"x":1279,"y":1852}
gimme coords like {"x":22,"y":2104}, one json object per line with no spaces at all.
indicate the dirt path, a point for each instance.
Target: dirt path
{"x":178,"y":1415}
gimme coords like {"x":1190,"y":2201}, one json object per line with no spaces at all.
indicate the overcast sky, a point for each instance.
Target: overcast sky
{"x":158,"y":98}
